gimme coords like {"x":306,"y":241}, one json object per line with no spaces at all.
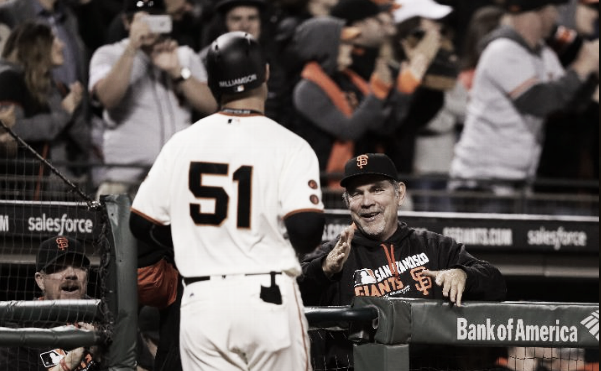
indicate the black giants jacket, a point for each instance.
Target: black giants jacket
{"x":391,"y":269}
{"x":369,"y":272}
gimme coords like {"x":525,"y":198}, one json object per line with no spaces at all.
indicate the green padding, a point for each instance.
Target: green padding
{"x":394,"y":320}
{"x":123,"y":303}
{"x":486,"y":323}
{"x":54,"y":311}
{"x":369,"y":357}
{"x":59,"y":337}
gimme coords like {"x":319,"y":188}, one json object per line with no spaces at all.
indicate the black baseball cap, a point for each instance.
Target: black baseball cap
{"x":56,"y":247}
{"x":224,"y":6}
{"x":357,"y":10}
{"x":520,"y":6}
{"x":149,"y":6}
{"x":369,"y":164}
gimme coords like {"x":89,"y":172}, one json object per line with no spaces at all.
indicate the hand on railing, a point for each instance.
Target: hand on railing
{"x":452,"y":282}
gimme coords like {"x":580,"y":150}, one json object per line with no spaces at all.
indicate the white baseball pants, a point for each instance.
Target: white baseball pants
{"x":226,"y":326}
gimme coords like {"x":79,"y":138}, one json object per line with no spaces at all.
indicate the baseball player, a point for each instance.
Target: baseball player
{"x":240,"y":194}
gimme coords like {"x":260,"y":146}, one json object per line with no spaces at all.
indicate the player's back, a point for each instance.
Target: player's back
{"x":233,"y":178}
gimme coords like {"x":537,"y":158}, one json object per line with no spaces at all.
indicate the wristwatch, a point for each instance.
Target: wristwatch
{"x":184,"y":75}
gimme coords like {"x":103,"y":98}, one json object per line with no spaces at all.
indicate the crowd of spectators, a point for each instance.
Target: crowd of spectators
{"x":350,"y":76}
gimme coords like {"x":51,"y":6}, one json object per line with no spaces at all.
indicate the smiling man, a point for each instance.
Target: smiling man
{"x":380,"y":256}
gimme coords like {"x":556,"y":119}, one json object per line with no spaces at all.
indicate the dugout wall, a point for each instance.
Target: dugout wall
{"x":113,"y":253}
{"x":384,"y":329}
{"x":119,"y":266}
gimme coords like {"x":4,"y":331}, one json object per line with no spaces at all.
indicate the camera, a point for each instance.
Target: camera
{"x":158,"y":23}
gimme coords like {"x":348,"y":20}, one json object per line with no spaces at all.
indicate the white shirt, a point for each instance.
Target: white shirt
{"x":497,"y":140}
{"x":149,"y":113}
{"x":225,"y":185}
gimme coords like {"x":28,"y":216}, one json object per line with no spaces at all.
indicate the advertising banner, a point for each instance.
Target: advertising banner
{"x":496,"y":232}
{"x":34,"y":218}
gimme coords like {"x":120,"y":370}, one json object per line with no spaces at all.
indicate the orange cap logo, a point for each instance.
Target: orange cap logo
{"x":62,"y":243}
{"x":362,"y":161}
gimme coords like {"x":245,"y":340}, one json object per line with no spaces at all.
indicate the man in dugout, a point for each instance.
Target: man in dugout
{"x":378,"y":255}
{"x":61,"y":274}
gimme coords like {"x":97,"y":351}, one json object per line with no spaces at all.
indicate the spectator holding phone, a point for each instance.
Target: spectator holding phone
{"x":148,"y":87}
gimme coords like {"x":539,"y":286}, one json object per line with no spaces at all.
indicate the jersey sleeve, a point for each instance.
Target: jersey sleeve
{"x":299,"y":185}
{"x":100,"y":66}
{"x":153,"y":197}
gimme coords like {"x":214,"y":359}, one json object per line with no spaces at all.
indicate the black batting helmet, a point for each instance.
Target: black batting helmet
{"x":235,"y":64}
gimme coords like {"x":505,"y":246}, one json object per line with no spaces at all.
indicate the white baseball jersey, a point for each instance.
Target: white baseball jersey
{"x":225,"y":185}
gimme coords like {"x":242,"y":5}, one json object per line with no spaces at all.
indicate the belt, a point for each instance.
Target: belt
{"x":191,"y":280}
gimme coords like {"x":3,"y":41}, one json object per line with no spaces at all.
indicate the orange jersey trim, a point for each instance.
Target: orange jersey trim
{"x":523,"y":87}
{"x":358,"y":81}
{"x":146,"y":217}
{"x":318,"y":211}
{"x":240,"y":114}
{"x":406,"y":82}
{"x":314,"y":73}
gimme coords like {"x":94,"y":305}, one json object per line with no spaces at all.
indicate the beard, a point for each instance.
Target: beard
{"x":371,"y":228}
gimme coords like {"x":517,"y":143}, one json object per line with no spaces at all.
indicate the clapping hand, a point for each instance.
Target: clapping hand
{"x":335,"y":260}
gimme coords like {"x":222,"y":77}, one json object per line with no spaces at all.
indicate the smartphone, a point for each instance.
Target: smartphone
{"x":158,"y":23}
{"x":51,"y":358}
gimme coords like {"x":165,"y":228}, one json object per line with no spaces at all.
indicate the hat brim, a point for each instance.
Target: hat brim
{"x":226,"y":5}
{"x":345,"y":181}
{"x":409,"y":11}
{"x":85,"y":260}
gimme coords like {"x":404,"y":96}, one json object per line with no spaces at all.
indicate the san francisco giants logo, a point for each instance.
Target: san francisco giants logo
{"x":362,"y":161}
{"x":423,"y":282}
{"x":62,"y":243}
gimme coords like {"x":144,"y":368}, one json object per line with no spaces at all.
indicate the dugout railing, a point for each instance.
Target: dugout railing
{"x":389,"y":327}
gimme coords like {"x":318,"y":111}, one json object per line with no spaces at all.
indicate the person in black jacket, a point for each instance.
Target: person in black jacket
{"x":379,"y":256}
